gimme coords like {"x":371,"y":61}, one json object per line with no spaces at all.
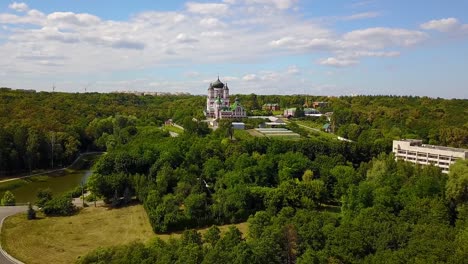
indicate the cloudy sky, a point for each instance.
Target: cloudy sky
{"x":332,"y":47}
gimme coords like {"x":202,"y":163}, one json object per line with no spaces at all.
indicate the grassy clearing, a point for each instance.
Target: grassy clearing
{"x":311,"y":126}
{"x":242,"y":134}
{"x":64,"y":239}
{"x":173,"y":129}
{"x":255,"y":133}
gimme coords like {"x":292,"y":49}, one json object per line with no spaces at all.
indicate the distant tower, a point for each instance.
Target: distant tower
{"x":53,"y":87}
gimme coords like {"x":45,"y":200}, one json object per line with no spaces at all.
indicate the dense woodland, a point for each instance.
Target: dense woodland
{"x":305,"y":201}
{"x":35,"y":126}
{"x":43,"y":130}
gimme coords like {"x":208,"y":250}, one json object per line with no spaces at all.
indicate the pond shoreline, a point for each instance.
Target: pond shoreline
{"x":59,"y":181}
{"x":77,"y":160}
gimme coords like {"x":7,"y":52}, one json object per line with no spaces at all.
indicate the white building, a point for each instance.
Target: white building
{"x":413,"y":150}
{"x":218,"y":104}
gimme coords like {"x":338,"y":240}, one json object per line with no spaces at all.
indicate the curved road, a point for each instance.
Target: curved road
{"x":6,"y":211}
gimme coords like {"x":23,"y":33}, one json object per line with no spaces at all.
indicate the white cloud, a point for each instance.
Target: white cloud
{"x":210,"y":22}
{"x":363,"y":3}
{"x":380,"y":37}
{"x":446,"y":25}
{"x":184,"y":38}
{"x":202,"y":34}
{"x":279,"y":4}
{"x":249,"y":77}
{"x":65,"y":19}
{"x":443,"y":25}
{"x":362,"y":16}
{"x":32,"y":17}
{"x":336,"y":62}
{"x":359,"y":54}
{"x":211,"y":34}
{"x":207,"y":8}
{"x":19,"y":7}
{"x":294,"y":70}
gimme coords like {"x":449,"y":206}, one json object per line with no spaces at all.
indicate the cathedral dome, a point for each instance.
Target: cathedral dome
{"x":217,"y":84}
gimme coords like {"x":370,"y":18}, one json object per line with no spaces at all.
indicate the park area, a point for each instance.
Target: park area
{"x":65,"y":239}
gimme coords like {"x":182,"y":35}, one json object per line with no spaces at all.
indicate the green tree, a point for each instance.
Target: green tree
{"x":457,"y":183}
{"x":212,"y":235}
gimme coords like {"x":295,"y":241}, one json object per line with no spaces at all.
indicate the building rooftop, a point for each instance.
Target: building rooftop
{"x":418,"y":143}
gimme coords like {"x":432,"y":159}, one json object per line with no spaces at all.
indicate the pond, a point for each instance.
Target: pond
{"x":25,"y":190}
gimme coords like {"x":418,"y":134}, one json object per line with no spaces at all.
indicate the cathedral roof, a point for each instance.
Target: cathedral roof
{"x":217,"y":84}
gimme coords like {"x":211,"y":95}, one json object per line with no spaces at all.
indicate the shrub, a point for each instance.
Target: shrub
{"x":76,"y":192}
{"x":8,"y":199}
{"x":43,"y":196}
{"x":59,"y":206}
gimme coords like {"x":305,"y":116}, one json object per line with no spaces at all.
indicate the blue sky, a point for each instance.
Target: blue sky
{"x":258,"y":46}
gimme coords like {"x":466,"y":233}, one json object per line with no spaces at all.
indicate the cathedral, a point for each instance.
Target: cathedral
{"x":218,"y":104}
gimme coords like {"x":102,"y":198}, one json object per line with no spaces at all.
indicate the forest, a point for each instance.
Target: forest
{"x":305,"y":201}
{"x":43,"y":130}
{"x":46,"y":130}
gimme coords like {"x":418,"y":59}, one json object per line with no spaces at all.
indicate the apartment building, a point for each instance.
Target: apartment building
{"x":413,"y":150}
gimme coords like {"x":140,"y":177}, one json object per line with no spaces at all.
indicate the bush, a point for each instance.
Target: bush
{"x":43,"y":196}
{"x":8,"y":199}
{"x":75,"y":193}
{"x":59,"y":206}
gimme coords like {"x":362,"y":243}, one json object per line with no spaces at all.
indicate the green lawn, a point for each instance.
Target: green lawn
{"x":310,"y":124}
{"x":173,"y":129}
{"x":242,"y":134}
{"x":64,"y":239}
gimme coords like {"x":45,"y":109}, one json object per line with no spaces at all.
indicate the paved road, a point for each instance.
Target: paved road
{"x":6,"y":211}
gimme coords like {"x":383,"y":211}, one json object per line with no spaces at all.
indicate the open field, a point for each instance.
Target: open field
{"x":64,"y":239}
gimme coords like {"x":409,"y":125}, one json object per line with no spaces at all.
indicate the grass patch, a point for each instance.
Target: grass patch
{"x":310,"y":124}
{"x":255,"y":133}
{"x":173,"y":129}
{"x":242,"y":134}
{"x":64,"y":239}
{"x":312,"y":130}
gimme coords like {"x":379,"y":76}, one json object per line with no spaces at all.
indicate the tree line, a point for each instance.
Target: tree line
{"x":46,"y":130}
